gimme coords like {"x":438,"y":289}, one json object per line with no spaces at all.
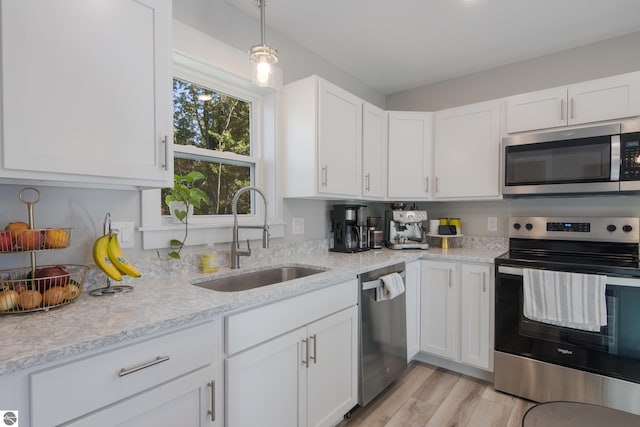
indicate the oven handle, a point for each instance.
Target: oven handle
{"x":615,"y":281}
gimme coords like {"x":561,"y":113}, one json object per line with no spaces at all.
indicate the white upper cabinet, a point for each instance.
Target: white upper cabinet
{"x":322,"y":152}
{"x":609,"y":98}
{"x":86,"y":92}
{"x":374,"y":152}
{"x":467,"y":151}
{"x":409,"y":156}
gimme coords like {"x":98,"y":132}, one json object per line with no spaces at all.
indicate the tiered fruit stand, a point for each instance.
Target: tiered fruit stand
{"x":37,"y":288}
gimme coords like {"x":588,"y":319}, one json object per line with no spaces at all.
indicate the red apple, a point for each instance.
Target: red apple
{"x":48,"y":277}
{"x":6,"y":242}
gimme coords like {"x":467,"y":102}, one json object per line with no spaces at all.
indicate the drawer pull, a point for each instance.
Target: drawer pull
{"x":212,"y":412}
{"x":127,"y":371}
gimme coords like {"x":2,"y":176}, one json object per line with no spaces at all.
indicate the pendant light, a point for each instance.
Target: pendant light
{"x":262,"y":55}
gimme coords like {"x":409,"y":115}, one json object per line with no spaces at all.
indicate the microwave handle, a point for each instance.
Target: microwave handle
{"x":615,"y":158}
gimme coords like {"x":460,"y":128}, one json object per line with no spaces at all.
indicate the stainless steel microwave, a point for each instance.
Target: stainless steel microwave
{"x":597,"y":159}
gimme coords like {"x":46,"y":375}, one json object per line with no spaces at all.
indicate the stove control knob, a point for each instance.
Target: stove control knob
{"x":627,"y":228}
{"x":529,"y":226}
{"x":517,"y":226}
{"x":611,"y":228}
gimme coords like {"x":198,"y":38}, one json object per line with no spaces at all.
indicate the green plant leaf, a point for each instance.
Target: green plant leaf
{"x":174,"y":255}
{"x":175,"y":243}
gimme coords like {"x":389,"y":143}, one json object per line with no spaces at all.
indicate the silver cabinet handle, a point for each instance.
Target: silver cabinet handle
{"x":572,"y":108}
{"x":315,"y":349}
{"x":212,"y":412}
{"x":450,"y":281}
{"x":437,"y":184}
{"x":426,"y":184}
{"x":367,"y":180}
{"x":165,"y":141}
{"x":305,"y":360}
{"x":484,"y":282}
{"x":324,"y":176}
{"x":562,"y":110}
{"x":127,"y":371}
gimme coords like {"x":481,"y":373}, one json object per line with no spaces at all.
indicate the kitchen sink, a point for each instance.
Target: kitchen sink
{"x":256,"y":279}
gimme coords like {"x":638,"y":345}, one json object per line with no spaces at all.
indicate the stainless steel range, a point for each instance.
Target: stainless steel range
{"x":567,"y":311}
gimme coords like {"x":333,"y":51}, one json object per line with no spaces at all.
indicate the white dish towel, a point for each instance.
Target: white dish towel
{"x":391,"y":286}
{"x":571,"y":300}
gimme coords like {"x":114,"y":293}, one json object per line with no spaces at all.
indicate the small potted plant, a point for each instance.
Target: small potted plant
{"x":181,"y":200}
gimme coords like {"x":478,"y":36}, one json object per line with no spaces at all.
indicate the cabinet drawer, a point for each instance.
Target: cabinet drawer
{"x":67,"y":391}
{"x":252,"y":327}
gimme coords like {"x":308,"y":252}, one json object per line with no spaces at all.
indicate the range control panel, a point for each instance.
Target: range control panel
{"x":597,"y":229}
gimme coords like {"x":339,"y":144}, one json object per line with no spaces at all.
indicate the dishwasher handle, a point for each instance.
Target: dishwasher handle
{"x":372,"y":284}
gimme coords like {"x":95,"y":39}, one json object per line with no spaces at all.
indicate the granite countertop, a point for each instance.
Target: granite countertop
{"x":158,"y":304}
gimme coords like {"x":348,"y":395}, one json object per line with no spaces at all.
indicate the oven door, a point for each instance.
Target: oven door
{"x":576,"y":161}
{"x":613,"y":351}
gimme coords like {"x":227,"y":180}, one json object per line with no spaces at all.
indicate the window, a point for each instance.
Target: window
{"x":215,"y":133}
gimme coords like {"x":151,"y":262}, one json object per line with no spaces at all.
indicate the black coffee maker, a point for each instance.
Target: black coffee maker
{"x":349,"y":228}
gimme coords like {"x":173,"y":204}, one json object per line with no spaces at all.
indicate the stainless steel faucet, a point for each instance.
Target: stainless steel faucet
{"x":236,"y":253}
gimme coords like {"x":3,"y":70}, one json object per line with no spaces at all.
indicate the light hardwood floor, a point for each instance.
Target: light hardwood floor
{"x":427,"y":396}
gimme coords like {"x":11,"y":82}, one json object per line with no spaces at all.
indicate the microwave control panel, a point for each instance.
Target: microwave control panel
{"x":630,"y":157}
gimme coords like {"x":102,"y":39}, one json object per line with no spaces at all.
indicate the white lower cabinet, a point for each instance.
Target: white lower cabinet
{"x":412,"y":279}
{"x":455,"y":312}
{"x":163,"y":381}
{"x":302,"y":372}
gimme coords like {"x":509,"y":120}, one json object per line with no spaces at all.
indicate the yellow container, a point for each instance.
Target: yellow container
{"x":444,"y":221}
{"x":456,"y":223}
{"x":209,"y":261}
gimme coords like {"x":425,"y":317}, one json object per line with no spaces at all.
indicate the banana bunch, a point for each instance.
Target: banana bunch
{"x":108,"y":256}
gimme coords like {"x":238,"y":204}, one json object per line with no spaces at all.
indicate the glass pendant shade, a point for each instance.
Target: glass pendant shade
{"x":262,"y":55}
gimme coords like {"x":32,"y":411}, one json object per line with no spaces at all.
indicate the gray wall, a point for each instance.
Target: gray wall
{"x":614,"y":56}
{"x":226,"y":23}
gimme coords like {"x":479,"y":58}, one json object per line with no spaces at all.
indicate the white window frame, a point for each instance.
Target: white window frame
{"x":255,"y":158}
{"x":157,"y":230}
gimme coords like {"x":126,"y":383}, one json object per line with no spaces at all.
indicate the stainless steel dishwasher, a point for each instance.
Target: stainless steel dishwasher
{"x":383,"y":335}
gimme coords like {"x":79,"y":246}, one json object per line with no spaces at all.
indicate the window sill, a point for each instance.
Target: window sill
{"x":158,"y":237}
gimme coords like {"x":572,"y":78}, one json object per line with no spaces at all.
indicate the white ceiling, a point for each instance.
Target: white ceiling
{"x":393,"y":45}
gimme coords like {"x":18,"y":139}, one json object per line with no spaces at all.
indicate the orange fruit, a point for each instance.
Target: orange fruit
{"x":30,"y":299}
{"x":29,"y":240}
{"x":56,"y":238}
{"x":16,"y":227}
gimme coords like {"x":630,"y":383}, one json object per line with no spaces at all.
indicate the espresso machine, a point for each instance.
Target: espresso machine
{"x":403,"y":229}
{"x":349,"y":228}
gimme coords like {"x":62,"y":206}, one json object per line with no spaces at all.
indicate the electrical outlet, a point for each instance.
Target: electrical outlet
{"x":125,"y":233}
{"x":297,"y":225}
{"x":492,"y":223}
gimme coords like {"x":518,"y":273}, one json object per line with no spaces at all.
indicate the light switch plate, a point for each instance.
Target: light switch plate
{"x":125,"y":233}
{"x":492,"y":223}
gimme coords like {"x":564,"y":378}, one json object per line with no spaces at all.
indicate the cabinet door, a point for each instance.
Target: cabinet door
{"x":467,"y":151}
{"x":537,"y":110}
{"x":410,"y":150}
{"x":332,"y":369}
{"x":339,"y":141}
{"x":438,"y":309}
{"x":374,"y":152}
{"x":265,"y":384}
{"x":412,"y":272}
{"x":605,"y":99}
{"x":87,"y":91}
{"x":475,"y":314}
{"x":186,"y":401}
